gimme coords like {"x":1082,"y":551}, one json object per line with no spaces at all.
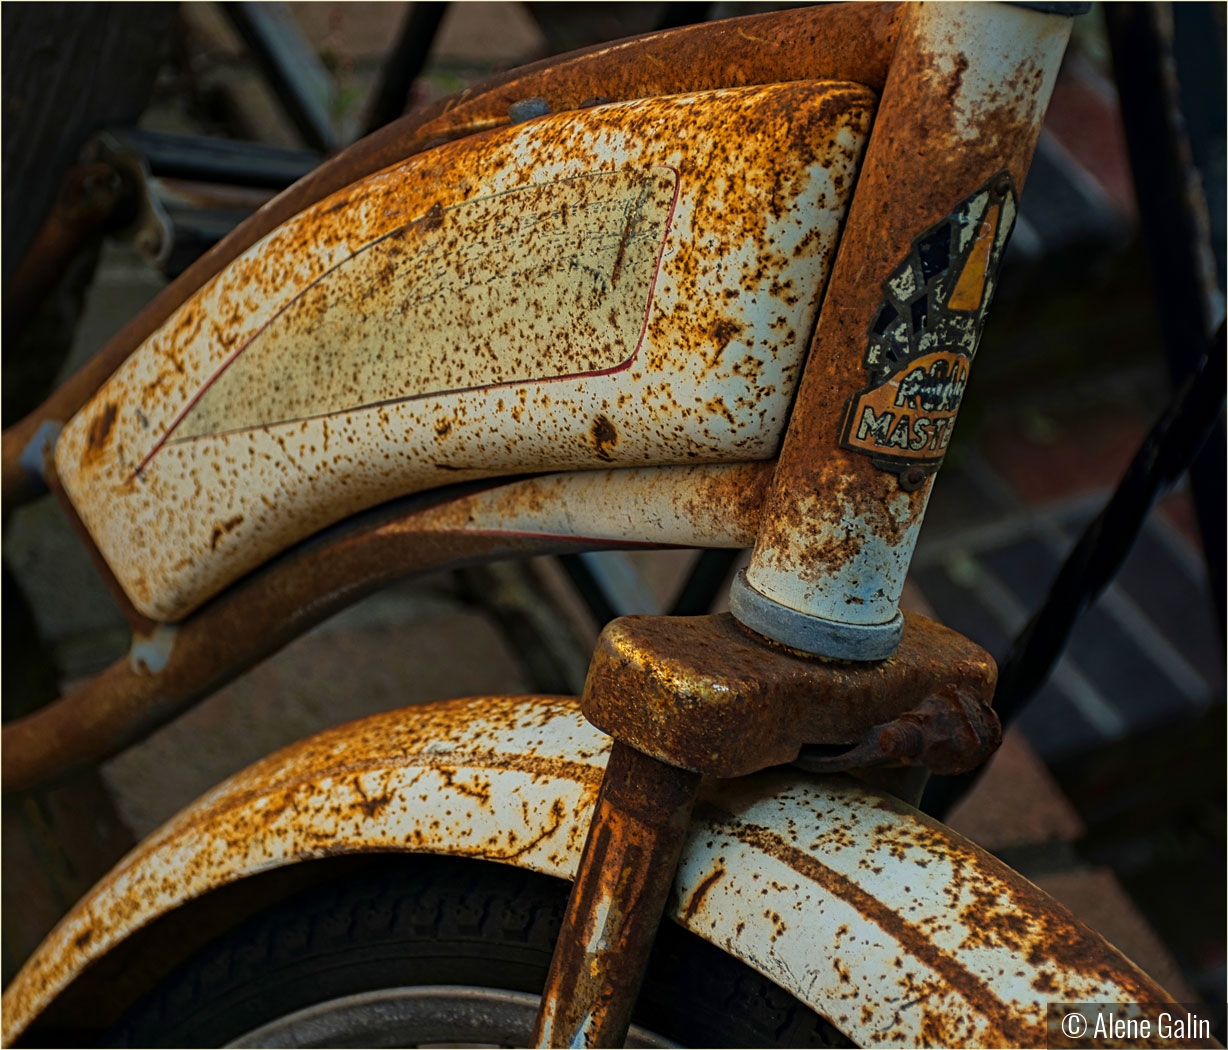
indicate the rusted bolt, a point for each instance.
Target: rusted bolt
{"x":1001,"y":185}
{"x":912,"y":479}
{"x":527,"y":109}
{"x":901,"y":740}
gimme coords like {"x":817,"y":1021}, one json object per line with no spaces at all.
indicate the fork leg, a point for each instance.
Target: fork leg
{"x":638,"y":829}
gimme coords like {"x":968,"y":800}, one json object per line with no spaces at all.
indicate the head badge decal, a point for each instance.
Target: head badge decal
{"x":925,"y":332}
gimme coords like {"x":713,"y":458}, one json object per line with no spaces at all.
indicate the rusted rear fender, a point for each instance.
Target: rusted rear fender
{"x":898,"y":930}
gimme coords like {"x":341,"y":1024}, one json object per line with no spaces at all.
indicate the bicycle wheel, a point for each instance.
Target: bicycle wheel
{"x":431,"y":951}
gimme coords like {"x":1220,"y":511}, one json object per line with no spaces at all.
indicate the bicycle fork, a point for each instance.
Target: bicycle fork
{"x":817,"y":665}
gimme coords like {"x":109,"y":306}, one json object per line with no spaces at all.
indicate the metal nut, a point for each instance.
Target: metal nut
{"x":527,"y":109}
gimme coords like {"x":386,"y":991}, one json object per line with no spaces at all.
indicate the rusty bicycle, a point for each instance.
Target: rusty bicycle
{"x":718,"y":286}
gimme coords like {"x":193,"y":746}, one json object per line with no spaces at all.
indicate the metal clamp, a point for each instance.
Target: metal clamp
{"x":812,"y":634}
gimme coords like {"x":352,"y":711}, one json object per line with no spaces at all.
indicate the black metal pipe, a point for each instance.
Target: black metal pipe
{"x":405,"y":62}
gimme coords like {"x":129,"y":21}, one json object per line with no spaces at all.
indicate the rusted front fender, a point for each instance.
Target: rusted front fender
{"x":898,"y":930}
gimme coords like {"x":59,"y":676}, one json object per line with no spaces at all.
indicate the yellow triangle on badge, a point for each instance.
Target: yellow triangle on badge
{"x":971,"y":284}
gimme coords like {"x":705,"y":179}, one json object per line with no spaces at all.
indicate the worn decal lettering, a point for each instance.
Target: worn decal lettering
{"x":925,"y":333}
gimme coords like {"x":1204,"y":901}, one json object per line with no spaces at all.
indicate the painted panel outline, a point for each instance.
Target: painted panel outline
{"x":666,"y":228}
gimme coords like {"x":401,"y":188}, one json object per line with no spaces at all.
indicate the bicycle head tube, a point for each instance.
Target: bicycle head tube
{"x":899,"y":327}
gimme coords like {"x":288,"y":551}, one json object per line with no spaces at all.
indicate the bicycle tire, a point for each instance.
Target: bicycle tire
{"x":467,"y":925}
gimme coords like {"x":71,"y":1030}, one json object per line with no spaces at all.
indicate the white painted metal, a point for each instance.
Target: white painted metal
{"x":1002,"y":40}
{"x":711,"y":505}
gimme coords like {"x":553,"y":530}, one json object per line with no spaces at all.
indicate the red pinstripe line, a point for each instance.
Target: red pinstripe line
{"x":435,"y":393}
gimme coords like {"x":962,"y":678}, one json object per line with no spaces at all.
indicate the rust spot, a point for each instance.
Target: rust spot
{"x":723,"y":331}
{"x":628,"y":225}
{"x":221,"y":530}
{"x":371,"y":807}
{"x":443,"y":428}
{"x":1045,"y":984}
{"x":479,"y":791}
{"x":957,"y":77}
{"x":433,"y":219}
{"x":605,"y":437}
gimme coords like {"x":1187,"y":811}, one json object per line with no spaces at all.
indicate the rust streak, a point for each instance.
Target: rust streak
{"x":622,"y":246}
{"x":557,"y":816}
{"x":100,"y":430}
{"x":701,"y":891}
{"x":448,"y":764}
{"x":974,"y":991}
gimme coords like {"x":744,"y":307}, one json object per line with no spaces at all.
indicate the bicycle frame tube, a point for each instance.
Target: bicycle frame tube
{"x":169,"y":668}
{"x":935,"y":201}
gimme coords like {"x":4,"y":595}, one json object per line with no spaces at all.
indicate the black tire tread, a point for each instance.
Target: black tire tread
{"x":436,"y":920}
